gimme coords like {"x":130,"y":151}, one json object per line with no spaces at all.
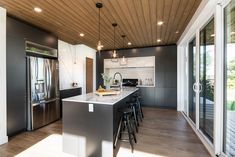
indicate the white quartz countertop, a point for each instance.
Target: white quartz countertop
{"x":107,"y":100}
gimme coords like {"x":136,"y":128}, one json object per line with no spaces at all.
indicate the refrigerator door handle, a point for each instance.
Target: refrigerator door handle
{"x":29,"y":94}
{"x":46,"y":75}
{"x":45,"y":102}
{"x":49,"y":74}
{"x":35,"y":62}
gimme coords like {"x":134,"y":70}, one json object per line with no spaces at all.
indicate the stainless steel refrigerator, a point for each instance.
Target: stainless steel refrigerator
{"x":42,"y":92}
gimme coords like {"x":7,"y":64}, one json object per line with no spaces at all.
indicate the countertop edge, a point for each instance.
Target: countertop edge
{"x":93,"y":102}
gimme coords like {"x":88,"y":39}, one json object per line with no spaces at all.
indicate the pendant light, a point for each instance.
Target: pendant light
{"x":123,"y":60}
{"x":99,"y":45}
{"x":114,"y":55}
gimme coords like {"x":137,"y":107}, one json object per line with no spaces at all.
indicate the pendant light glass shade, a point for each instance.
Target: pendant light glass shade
{"x":99,"y":45}
{"x":123,"y":60}
{"x":114,"y":55}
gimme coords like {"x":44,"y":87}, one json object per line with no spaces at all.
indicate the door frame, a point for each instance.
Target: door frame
{"x":205,"y":11}
{"x":187,"y":51}
{"x":221,"y":68}
{"x":185,"y":42}
{"x":87,"y":58}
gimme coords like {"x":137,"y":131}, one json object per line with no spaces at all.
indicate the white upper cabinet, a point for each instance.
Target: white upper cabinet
{"x":134,"y":62}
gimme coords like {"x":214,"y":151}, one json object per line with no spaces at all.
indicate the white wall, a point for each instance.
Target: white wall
{"x":3,"y":120}
{"x":72,"y":59}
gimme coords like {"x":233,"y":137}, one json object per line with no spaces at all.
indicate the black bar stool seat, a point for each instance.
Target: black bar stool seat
{"x":132,"y":105}
{"x":126,"y":111}
{"x":137,"y":98}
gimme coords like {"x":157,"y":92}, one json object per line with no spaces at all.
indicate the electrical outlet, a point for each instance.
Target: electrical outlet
{"x":91,"y":108}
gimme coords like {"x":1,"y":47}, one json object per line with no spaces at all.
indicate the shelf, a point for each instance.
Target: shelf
{"x":122,"y":67}
{"x":146,"y":86}
{"x":133,"y":62}
{"x":34,"y":48}
{"x":40,"y":53}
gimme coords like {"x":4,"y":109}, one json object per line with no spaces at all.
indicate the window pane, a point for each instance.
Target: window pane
{"x":192,"y":79}
{"x":207,"y":79}
{"x":229,"y":105}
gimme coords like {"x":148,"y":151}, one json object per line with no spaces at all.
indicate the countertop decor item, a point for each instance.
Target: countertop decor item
{"x":101,"y":89}
{"x":74,"y":84}
{"x":107,"y":80}
{"x":107,"y":93}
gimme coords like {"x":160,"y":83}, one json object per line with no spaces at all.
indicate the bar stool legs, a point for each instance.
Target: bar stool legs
{"x":136,"y":121}
{"x":142,"y":114}
{"x":140,"y":111}
{"x":118,"y":132}
{"x":125,"y":122}
{"x":130,"y":133}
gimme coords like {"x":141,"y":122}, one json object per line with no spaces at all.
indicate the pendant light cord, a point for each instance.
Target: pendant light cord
{"x":123,"y":43}
{"x":114,"y":38}
{"x":99,"y":24}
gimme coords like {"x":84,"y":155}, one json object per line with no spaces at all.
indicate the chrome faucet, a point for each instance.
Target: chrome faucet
{"x":114,"y":77}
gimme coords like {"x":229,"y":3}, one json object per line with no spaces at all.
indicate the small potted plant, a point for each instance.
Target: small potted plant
{"x":107,"y":81}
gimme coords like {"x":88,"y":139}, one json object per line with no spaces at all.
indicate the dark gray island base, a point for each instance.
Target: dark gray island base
{"x":90,"y":123}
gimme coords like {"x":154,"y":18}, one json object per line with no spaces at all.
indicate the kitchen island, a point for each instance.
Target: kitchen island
{"x":90,"y":123}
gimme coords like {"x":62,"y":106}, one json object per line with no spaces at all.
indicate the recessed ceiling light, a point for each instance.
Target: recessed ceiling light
{"x":177,"y":32}
{"x":159,"y":40}
{"x":212,"y":35}
{"x":232,"y":33}
{"x":129,"y":43}
{"x":37,"y":9}
{"x":160,"y":23}
{"x":82,"y":34}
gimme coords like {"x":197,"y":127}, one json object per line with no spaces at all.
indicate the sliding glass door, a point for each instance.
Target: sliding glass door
{"x":201,"y":80}
{"x":192,"y":79}
{"x":229,"y":80}
{"x":207,"y":80}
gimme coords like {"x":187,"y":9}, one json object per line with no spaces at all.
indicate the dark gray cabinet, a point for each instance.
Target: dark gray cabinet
{"x":148,"y":96}
{"x":164,"y":94}
{"x":17,"y":33}
{"x":16,"y":85}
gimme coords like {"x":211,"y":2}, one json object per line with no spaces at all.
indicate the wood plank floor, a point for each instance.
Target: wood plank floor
{"x":166,"y":133}
{"x":163,"y":133}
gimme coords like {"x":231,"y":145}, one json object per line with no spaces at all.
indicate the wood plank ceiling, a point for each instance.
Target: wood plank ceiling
{"x":136,"y":18}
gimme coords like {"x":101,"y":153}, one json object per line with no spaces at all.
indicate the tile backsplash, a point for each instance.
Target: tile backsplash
{"x":142,"y":68}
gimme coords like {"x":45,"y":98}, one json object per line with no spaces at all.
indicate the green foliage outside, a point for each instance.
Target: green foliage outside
{"x":231,"y":105}
{"x":231,"y":85}
{"x":210,"y":90}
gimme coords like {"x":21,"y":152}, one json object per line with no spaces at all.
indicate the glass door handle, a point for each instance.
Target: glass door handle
{"x":194,"y":87}
{"x":197,"y":87}
{"x":200,"y":87}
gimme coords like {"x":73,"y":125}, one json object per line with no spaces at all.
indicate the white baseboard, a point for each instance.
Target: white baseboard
{"x":3,"y":140}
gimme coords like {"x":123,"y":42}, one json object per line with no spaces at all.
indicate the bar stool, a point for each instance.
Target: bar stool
{"x":126,"y":123}
{"x":137,"y":99}
{"x":132,"y":105}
